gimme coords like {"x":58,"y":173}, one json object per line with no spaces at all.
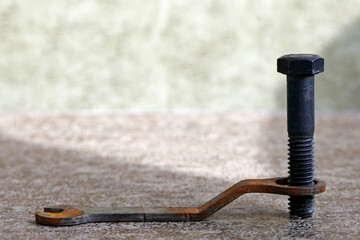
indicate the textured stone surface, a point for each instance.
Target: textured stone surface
{"x":172,"y":54}
{"x":171,"y":160}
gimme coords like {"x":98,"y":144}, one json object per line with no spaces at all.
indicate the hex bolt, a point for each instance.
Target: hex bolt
{"x":300,"y":70}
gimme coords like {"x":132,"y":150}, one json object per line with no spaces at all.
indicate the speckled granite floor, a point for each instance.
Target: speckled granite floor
{"x":172,"y":160}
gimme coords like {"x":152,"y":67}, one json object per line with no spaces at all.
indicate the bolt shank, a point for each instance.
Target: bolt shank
{"x":300,"y":105}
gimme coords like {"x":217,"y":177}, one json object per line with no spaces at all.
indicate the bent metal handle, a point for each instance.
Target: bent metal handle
{"x":68,"y":215}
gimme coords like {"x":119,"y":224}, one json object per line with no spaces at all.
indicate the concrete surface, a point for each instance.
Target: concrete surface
{"x":172,"y":54}
{"x":171,"y":160}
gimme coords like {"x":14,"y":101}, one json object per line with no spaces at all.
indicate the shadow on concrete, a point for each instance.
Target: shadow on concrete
{"x":37,"y":175}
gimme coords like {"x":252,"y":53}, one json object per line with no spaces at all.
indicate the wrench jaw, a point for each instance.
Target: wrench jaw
{"x":69,"y":215}
{"x":60,"y":216}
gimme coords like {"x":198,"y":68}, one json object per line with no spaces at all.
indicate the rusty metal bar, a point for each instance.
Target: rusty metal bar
{"x":69,"y":215}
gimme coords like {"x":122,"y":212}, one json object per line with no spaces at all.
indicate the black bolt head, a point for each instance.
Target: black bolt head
{"x":300,"y":64}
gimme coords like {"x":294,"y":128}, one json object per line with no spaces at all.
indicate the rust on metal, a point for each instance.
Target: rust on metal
{"x":55,"y":216}
{"x":69,"y":215}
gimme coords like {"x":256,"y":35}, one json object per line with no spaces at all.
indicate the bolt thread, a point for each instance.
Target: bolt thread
{"x":301,"y":206}
{"x":301,"y":173}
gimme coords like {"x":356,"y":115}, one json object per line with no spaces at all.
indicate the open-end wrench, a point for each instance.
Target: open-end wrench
{"x":73,"y":215}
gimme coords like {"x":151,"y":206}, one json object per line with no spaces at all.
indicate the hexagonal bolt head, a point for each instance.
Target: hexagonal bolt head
{"x":300,"y":64}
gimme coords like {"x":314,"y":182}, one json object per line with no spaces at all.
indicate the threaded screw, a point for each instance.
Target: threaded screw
{"x":300,"y":70}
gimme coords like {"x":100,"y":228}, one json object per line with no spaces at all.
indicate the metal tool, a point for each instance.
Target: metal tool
{"x":300,"y":185}
{"x":300,"y":70}
{"x":69,"y":215}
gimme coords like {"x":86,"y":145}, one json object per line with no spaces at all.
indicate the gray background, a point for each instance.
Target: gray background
{"x":172,"y":55}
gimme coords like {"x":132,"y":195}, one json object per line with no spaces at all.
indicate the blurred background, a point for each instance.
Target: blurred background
{"x":172,"y":55}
